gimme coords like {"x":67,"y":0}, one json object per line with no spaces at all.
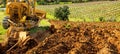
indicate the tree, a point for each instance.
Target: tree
{"x":62,"y":13}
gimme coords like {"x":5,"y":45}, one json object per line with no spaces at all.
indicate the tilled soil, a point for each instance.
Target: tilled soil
{"x":80,"y":38}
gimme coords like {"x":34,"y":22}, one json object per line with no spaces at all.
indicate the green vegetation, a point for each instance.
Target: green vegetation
{"x":101,"y":19}
{"x":44,"y":23}
{"x":67,"y":26}
{"x":90,"y":11}
{"x":62,"y":13}
{"x":51,"y":2}
{"x":2,"y":31}
{"x":36,"y":29}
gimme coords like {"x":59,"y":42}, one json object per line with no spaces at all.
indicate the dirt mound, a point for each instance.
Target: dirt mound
{"x":77,"y":38}
{"x":82,"y":38}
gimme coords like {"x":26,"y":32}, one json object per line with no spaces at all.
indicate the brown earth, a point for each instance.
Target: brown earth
{"x":79,"y":38}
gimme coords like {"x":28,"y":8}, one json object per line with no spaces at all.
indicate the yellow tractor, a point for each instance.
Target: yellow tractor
{"x":22,"y":16}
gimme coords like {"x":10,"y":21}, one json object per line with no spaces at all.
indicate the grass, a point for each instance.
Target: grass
{"x":49,"y":16}
{"x":87,"y":11}
{"x":2,"y":31}
{"x":44,"y":22}
{"x":65,"y":3}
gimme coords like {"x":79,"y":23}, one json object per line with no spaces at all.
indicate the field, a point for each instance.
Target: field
{"x":82,"y":34}
{"x":88,"y":12}
{"x":85,"y":12}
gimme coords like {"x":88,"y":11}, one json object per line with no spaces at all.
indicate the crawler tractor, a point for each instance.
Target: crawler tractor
{"x":21,"y":17}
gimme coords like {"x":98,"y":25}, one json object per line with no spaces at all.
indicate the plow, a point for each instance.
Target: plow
{"x":22,"y":16}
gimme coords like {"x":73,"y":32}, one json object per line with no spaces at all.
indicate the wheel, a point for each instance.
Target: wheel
{"x":5,"y":23}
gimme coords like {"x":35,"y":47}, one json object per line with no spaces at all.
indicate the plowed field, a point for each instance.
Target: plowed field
{"x":80,"y":38}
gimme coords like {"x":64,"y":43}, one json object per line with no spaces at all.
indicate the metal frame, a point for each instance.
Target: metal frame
{"x":29,"y":3}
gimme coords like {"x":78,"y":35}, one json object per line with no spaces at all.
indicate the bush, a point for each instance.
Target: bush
{"x":51,"y":2}
{"x":112,"y":19}
{"x":47,"y":2}
{"x":101,"y":19}
{"x":41,"y":2}
{"x":62,"y":13}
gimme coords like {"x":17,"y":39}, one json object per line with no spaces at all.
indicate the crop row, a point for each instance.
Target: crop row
{"x":106,"y":9}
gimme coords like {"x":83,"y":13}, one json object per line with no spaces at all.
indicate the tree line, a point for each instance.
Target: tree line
{"x":47,"y":2}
